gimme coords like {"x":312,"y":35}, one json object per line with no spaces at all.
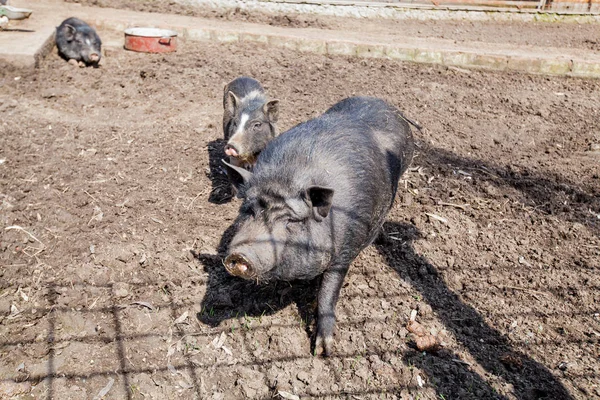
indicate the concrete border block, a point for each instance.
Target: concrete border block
{"x":253,"y":37}
{"x":458,"y":59}
{"x":225,"y":36}
{"x":287,"y":42}
{"x":556,"y":67}
{"x":531,"y":65}
{"x":585,"y":69}
{"x":311,"y":45}
{"x":497,"y":63}
{"x":371,"y":50}
{"x":429,"y":56}
{"x":203,"y":35}
{"x":341,"y":48}
{"x":400,"y":53}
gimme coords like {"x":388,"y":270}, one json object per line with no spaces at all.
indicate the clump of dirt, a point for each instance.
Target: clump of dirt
{"x":114,"y":216}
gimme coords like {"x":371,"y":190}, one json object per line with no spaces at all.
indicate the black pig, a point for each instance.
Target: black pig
{"x":318,"y":195}
{"x":78,"y":41}
{"x":249,"y":120}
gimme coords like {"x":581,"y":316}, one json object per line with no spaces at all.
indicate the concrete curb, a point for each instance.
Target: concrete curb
{"x":556,"y":66}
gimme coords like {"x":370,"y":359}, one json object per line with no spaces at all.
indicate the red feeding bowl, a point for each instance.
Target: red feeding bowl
{"x":150,"y":40}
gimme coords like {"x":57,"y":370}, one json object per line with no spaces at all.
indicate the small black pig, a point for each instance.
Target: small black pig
{"x":249,"y":120}
{"x":318,"y":195}
{"x":78,"y":41}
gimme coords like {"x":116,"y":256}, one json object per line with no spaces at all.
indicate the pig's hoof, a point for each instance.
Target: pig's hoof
{"x":323,"y":346}
{"x":73,"y":62}
{"x":81,"y":64}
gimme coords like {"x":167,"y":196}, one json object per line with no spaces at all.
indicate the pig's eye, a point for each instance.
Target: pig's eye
{"x":262,"y":204}
{"x":256,"y":125}
{"x":290,"y":222}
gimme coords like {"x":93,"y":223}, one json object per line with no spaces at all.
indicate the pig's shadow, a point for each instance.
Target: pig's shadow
{"x":230,"y":297}
{"x":489,"y":347}
{"x":221,"y":191}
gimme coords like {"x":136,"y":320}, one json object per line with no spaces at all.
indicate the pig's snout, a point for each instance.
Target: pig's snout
{"x":94,"y":57}
{"x":238,"y":265}
{"x":231,"y":150}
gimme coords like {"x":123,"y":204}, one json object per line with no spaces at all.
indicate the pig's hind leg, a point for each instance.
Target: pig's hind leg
{"x":329,"y":292}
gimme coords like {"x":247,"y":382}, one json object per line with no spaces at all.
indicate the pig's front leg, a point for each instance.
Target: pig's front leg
{"x":328,"y":297}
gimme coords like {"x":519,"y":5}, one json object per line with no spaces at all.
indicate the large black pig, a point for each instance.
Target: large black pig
{"x":318,"y":195}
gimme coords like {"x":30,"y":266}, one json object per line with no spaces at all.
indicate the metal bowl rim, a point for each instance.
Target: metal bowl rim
{"x":150,"y":32}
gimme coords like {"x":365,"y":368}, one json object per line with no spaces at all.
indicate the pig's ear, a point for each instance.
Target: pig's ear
{"x":231,"y":102}
{"x":70,"y":33}
{"x":271,"y":110}
{"x":320,"y":199}
{"x":238,"y":176}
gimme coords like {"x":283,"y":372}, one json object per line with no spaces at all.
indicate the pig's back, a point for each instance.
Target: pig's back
{"x":360,"y":155}
{"x":355,"y":141}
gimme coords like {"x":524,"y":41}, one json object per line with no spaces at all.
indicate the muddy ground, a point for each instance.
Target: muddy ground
{"x":114,"y":211}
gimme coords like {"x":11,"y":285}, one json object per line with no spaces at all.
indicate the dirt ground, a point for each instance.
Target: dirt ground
{"x":565,"y":35}
{"x":114,"y":212}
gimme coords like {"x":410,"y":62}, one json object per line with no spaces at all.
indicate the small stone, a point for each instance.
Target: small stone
{"x":402,"y":332}
{"x":249,"y":392}
{"x":303,"y":377}
{"x":123,"y":256}
{"x":424,"y":309}
{"x":374,"y":359}
{"x":4,"y":21}
{"x":363,"y":372}
{"x":386,"y":357}
{"x":450,"y":261}
{"x":384,"y":304}
{"x":594,"y":147}
{"x":562,"y":366}
{"x":121,"y":289}
{"x":387,"y":335}
{"x":543,"y":112}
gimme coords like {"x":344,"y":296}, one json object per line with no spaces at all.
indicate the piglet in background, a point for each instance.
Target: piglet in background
{"x":249,"y":120}
{"x":78,"y":43}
